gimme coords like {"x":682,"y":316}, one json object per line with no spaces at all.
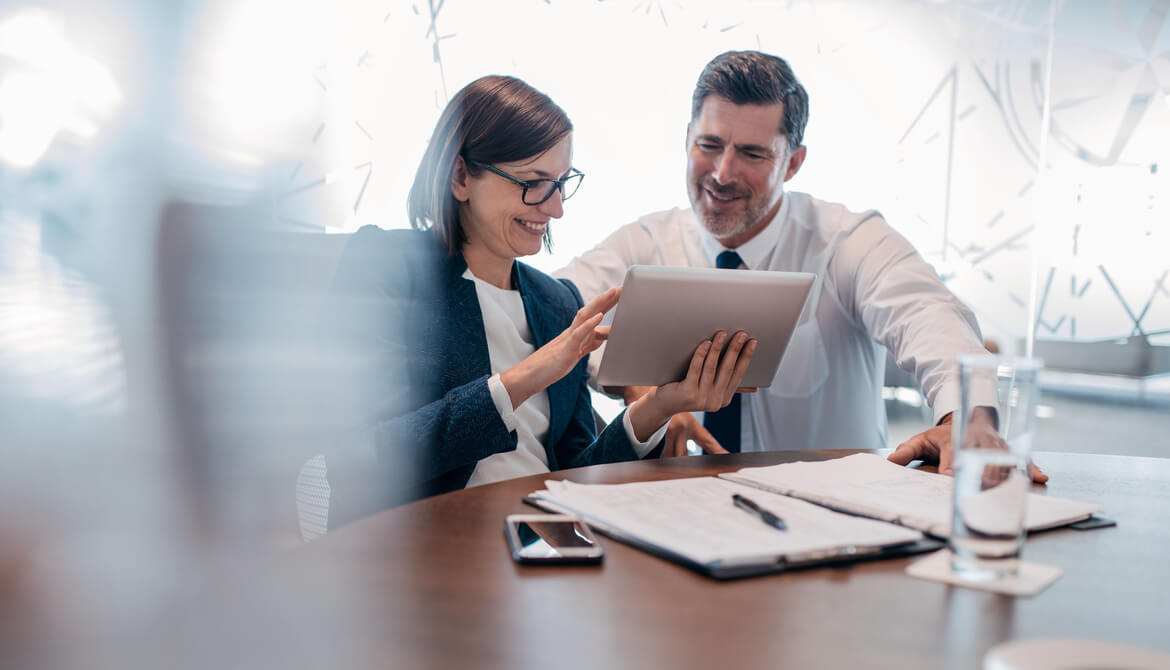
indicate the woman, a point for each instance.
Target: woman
{"x":480,"y":358}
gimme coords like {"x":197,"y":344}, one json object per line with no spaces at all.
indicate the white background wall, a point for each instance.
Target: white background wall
{"x":928,"y":111}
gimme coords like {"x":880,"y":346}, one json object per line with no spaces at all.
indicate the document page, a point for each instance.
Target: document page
{"x":869,"y":485}
{"x":697,"y":519}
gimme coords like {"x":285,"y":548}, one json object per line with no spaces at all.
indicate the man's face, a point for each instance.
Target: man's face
{"x":737,"y":163}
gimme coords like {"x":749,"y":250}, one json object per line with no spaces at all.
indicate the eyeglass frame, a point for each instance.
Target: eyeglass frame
{"x":559,"y":183}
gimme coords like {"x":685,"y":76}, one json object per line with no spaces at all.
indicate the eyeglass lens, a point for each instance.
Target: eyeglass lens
{"x":540,"y":191}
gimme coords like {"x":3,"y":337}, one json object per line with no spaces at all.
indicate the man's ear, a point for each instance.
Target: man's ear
{"x":459,"y":179}
{"x":687,"y":140}
{"x":794,"y":163}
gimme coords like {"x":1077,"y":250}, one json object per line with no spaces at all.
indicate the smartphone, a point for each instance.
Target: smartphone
{"x":551,"y":538}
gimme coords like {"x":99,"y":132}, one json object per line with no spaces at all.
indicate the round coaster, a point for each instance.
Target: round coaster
{"x":1069,"y":654}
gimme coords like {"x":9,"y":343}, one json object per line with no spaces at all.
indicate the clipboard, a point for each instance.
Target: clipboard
{"x":725,"y":569}
{"x":801,"y":514}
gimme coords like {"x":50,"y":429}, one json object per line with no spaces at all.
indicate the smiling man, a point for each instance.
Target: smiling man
{"x":873,"y":293}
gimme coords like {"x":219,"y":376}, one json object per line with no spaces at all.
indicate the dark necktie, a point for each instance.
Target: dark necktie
{"x":724,"y":424}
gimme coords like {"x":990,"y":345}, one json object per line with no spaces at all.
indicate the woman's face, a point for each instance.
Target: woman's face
{"x":492,"y":213}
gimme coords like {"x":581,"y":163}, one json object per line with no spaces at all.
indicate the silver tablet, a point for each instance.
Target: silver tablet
{"x":665,"y":312}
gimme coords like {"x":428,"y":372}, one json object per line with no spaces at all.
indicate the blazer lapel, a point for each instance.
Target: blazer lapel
{"x":562,"y":395}
{"x":464,"y":337}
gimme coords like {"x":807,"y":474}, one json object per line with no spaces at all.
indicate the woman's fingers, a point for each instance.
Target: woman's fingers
{"x":599,"y":305}
{"x":575,"y":341}
{"x":600,"y":335}
{"x":584,"y":335}
{"x":584,"y":329}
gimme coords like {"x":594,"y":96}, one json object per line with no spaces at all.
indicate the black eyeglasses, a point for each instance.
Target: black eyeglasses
{"x":537,"y":191}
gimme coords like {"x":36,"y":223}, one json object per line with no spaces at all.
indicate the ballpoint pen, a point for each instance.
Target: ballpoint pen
{"x":765,"y":516}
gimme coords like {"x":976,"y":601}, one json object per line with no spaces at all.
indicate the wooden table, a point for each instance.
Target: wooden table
{"x":432,"y":585}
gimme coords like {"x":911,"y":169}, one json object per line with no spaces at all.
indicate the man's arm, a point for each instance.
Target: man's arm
{"x":901,"y":302}
{"x":898,"y":298}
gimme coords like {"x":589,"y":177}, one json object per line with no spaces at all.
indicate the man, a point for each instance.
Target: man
{"x":873,"y":291}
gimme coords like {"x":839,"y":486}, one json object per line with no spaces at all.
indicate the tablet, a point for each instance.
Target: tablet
{"x":665,"y":312}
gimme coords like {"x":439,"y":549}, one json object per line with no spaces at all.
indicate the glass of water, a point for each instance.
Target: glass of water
{"x":993,"y":431}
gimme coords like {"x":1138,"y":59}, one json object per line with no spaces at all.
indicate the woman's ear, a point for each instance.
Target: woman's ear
{"x":459,"y":179}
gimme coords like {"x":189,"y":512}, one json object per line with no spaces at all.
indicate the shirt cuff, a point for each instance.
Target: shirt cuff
{"x":642,"y":448}
{"x":947,"y":400}
{"x":503,"y":402}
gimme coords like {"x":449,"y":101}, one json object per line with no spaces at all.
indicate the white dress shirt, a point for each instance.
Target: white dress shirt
{"x":873,"y":291}
{"x":509,"y":342}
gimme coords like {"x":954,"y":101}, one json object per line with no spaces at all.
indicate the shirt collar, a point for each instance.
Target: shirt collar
{"x":755,"y":251}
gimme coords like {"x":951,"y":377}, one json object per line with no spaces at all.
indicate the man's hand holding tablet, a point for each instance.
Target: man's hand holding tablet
{"x":713,"y":376}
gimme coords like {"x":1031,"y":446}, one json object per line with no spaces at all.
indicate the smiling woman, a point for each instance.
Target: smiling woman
{"x":474,"y":363}
{"x":499,"y":226}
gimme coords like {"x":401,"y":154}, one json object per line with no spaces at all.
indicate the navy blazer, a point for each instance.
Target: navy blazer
{"x":404,"y":308}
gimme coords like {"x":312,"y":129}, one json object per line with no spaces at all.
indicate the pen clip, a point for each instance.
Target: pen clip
{"x":744,"y":503}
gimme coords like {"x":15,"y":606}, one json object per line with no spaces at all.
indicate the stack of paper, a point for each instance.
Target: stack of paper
{"x":871,"y":486}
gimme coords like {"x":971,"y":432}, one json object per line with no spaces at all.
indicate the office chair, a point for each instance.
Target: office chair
{"x":312,"y":496}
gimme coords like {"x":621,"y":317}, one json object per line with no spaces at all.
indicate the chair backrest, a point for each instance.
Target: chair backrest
{"x":312,"y":497}
{"x":240,"y":307}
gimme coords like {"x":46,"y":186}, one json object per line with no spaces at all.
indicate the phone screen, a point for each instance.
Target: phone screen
{"x":547,"y":539}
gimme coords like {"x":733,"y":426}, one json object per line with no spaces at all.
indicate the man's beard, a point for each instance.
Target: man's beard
{"x":729,"y":223}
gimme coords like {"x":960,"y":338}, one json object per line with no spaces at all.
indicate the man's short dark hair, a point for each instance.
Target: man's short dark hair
{"x":754,"y":78}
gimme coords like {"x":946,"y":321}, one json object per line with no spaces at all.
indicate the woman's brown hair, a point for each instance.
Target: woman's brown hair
{"x":493,"y":119}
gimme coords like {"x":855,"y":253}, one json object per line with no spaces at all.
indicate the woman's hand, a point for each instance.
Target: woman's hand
{"x":554,"y":360}
{"x":708,"y":387}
